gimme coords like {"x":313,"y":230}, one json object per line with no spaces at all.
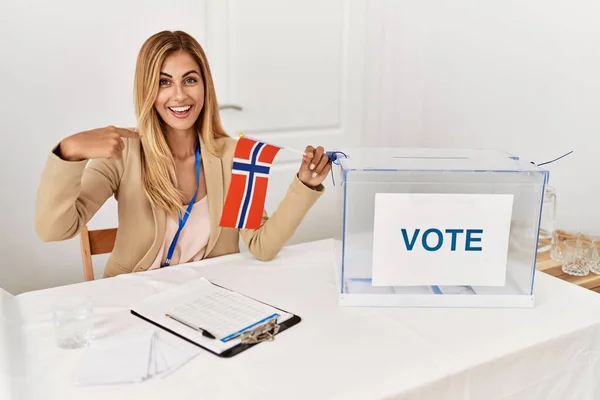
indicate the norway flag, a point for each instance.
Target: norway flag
{"x":245,"y":200}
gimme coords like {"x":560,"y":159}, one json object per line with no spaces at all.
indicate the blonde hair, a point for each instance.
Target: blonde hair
{"x":158,"y":165}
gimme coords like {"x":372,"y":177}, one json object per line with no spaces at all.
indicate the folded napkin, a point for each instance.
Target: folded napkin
{"x":133,"y":357}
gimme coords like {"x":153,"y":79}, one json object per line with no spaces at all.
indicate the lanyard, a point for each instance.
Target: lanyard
{"x":183,"y":220}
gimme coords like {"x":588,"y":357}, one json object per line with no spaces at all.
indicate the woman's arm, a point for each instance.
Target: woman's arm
{"x":71,"y":191}
{"x":265,"y":242}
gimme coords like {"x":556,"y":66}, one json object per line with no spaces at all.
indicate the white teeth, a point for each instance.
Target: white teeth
{"x":180,"y":109}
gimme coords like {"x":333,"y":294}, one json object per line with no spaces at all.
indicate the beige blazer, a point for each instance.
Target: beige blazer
{"x":70,"y":193}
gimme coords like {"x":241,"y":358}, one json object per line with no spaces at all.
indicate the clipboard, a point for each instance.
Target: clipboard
{"x":263,"y":332}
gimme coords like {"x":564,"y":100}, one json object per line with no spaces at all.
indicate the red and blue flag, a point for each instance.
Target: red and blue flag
{"x":247,"y":193}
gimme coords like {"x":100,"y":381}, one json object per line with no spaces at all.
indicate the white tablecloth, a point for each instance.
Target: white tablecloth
{"x":548,"y":352}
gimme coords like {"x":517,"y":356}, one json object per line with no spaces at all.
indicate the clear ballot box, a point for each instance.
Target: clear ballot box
{"x":436,"y":227}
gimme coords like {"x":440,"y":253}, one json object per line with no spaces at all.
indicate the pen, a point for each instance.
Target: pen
{"x":205,"y":333}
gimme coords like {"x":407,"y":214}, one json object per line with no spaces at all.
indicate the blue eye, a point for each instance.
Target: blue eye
{"x":191,"y":80}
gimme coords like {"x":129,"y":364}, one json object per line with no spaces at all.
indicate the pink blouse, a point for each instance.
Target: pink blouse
{"x":192,"y":239}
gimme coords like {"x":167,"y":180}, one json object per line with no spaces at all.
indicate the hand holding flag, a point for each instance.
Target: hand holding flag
{"x":315,"y":166}
{"x":245,"y":201}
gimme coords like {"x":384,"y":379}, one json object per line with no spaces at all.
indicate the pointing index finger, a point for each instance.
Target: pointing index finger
{"x":130,"y":133}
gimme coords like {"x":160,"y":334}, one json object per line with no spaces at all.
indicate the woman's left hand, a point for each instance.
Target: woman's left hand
{"x":315,"y":166}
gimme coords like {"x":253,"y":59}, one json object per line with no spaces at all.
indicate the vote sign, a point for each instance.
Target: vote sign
{"x":423,"y":239}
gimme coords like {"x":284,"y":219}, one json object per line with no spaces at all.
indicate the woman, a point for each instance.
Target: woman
{"x":152,"y":171}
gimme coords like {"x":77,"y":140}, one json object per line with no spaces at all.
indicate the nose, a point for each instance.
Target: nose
{"x":179,"y":94}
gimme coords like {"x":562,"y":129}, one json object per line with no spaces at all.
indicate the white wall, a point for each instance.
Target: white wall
{"x":467,"y":73}
{"x":520,"y":76}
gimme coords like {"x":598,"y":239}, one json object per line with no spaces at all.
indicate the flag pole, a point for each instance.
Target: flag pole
{"x":276,"y":145}
{"x":332,"y":155}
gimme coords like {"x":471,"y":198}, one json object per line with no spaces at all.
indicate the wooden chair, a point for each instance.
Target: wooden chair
{"x":94,"y":242}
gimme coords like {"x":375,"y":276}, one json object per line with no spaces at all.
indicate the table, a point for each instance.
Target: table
{"x":547,"y":352}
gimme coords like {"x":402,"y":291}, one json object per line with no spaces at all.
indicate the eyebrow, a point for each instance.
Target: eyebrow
{"x":190,"y":72}
{"x":183,"y":76}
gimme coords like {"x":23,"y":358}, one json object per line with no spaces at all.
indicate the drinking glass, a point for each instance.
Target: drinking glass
{"x":595,"y":261}
{"x":73,"y":322}
{"x":558,"y":240}
{"x":576,"y":257}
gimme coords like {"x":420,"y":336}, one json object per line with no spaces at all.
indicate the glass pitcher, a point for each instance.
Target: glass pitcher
{"x":547,"y":221}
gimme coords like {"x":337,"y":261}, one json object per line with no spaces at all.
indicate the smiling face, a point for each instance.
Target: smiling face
{"x":181,"y":92}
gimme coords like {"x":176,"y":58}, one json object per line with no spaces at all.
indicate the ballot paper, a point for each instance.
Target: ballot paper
{"x":221,"y":312}
{"x":133,"y":357}
{"x":454,"y":290}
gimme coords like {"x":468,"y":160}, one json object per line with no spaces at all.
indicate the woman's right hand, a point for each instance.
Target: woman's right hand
{"x":97,"y":143}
